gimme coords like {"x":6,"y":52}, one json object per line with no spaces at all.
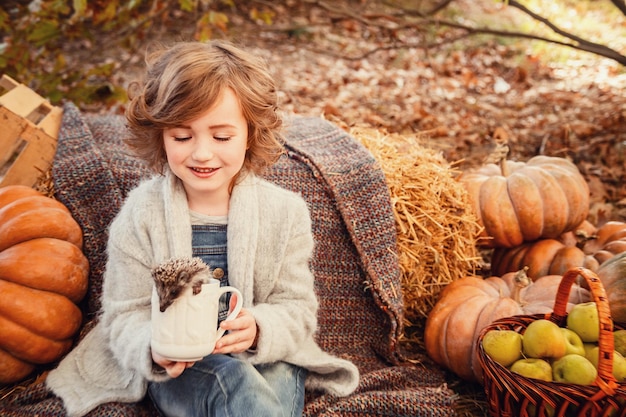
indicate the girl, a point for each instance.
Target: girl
{"x":206,"y":122}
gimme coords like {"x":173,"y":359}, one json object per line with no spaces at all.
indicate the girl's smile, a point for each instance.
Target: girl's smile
{"x":204,"y":172}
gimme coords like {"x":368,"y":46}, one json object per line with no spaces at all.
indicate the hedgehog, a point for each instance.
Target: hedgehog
{"x":174,"y":275}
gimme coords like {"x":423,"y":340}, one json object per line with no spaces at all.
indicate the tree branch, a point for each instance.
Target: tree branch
{"x":413,"y":12}
{"x":420,"y":20}
{"x":440,"y":6}
{"x":582,"y":44}
{"x":578,"y":42}
{"x":621,"y":5}
{"x":425,"y":46}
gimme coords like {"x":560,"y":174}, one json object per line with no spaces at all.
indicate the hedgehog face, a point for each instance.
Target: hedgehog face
{"x":173,"y":276}
{"x":168,"y":292}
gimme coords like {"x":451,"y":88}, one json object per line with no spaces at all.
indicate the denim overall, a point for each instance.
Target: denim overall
{"x":221,"y":385}
{"x":209,"y":244}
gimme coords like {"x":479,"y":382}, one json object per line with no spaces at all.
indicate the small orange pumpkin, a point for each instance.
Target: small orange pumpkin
{"x":43,"y":275}
{"x":586,"y":246}
{"x":519,"y":202}
{"x":543,"y":257}
{"x":609,"y":240}
{"x":469,"y":304}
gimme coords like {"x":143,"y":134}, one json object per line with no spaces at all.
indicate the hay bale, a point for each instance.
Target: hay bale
{"x":436,"y":227}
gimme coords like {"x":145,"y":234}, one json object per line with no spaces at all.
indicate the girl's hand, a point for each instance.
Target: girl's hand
{"x":242,"y":334}
{"x":173,"y":369}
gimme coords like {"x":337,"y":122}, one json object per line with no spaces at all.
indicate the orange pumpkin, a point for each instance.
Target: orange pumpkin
{"x":543,"y":257}
{"x":609,"y":240}
{"x":43,"y":275}
{"x":469,"y":304}
{"x":586,"y":246}
{"x":519,"y":202}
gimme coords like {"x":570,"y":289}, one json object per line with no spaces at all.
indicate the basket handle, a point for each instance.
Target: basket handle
{"x":605,"y":380}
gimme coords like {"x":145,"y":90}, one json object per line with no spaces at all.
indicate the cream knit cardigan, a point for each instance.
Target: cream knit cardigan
{"x":269,"y":247}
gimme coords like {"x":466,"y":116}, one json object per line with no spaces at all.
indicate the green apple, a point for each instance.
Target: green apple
{"x":583,"y":319}
{"x":532,"y":368}
{"x":573,"y":342}
{"x":543,"y":339}
{"x":619,"y":341}
{"x":619,"y":367}
{"x":619,"y":362}
{"x":503,"y":346}
{"x":574,"y":369}
{"x":591,"y":353}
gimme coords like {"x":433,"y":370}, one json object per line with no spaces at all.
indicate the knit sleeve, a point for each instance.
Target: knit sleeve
{"x":127,"y":288}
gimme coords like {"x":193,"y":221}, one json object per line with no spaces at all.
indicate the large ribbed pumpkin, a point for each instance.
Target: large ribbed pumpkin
{"x":586,"y":246}
{"x":469,"y":304}
{"x":43,"y":275}
{"x":524,"y":201}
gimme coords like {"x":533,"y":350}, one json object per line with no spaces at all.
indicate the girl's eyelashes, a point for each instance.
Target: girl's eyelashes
{"x":183,"y":138}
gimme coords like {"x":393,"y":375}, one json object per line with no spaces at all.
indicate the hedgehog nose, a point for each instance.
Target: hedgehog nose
{"x":163,"y":305}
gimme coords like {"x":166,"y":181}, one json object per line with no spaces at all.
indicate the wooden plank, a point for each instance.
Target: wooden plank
{"x":51,"y":124}
{"x":34,"y":160}
{"x":12,"y":128}
{"x":7,"y":82}
{"x":21,"y":100}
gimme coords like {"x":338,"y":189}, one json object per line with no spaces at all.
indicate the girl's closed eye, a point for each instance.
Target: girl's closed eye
{"x":222,"y":138}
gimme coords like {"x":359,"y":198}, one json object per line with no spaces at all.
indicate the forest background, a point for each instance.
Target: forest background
{"x":549,"y":76}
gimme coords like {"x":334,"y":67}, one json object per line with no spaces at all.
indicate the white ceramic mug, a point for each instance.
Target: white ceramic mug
{"x":187,"y":330}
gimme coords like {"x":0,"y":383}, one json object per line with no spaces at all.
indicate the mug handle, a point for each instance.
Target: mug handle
{"x":235,"y":312}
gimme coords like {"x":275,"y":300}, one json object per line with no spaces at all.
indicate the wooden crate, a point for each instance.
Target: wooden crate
{"x":29,"y":128}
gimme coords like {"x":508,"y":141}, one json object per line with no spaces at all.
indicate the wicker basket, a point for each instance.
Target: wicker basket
{"x":511,"y":394}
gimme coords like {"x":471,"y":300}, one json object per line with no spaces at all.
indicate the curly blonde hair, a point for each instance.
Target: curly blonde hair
{"x":184,"y":80}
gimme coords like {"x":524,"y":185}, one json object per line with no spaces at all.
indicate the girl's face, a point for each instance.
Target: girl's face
{"x":207,"y":152}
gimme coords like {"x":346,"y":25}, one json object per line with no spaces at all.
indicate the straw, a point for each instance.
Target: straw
{"x":436,"y":228}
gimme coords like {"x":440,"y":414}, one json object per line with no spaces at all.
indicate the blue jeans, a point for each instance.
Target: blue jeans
{"x":221,"y":385}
